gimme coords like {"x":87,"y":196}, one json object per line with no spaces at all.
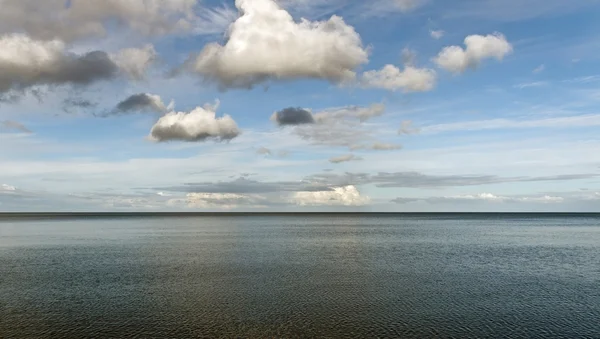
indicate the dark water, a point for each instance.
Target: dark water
{"x":302,"y":276}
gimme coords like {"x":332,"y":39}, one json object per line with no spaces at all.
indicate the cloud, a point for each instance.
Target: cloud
{"x":269,"y":152}
{"x":350,"y":112}
{"x":265,"y":43}
{"x":293,"y":116}
{"x":344,"y":158}
{"x":406,"y":127}
{"x":483,"y":198}
{"x":392,"y":78}
{"x":340,"y":196}
{"x":264,"y":151}
{"x":198,"y":125}
{"x":479,"y":125}
{"x":225,"y":201}
{"x":539,"y":69}
{"x":420,"y":180}
{"x":378,"y":146}
{"x":14,"y":125}
{"x":248,"y":186}
{"x":531,"y":84}
{"x":134,"y":62}
{"x":143,"y":102}
{"x":70,"y":103}
{"x":54,"y":19}
{"x":407,"y":5}
{"x":514,"y":10}
{"x":380,"y":8}
{"x":491,"y":198}
{"x":25,"y":63}
{"x":4,"y":188}
{"x":478,"y":48}
{"x":437,"y":34}
{"x":343,"y":127}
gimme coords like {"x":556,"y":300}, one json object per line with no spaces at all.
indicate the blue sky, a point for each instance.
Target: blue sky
{"x":181,"y":105}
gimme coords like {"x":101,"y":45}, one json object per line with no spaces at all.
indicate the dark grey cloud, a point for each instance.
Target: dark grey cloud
{"x":66,"y":69}
{"x":13,"y":125}
{"x":293,"y":116}
{"x":141,"y":102}
{"x":248,"y":186}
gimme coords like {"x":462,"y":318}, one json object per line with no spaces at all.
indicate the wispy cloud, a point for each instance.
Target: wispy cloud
{"x":524,"y":85}
{"x":562,"y":122}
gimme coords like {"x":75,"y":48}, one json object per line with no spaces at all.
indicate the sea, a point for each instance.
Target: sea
{"x":300,"y":276}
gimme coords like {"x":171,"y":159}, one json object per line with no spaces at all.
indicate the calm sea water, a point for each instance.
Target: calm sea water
{"x":421,"y":276}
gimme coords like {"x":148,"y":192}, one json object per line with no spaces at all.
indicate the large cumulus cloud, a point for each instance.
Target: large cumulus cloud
{"x":266,"y":43}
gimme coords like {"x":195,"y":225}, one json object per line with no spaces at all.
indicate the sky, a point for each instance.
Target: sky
{"x":300,"y":105}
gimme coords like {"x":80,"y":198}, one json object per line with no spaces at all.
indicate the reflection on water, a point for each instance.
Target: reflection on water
{"x":301,"y":276}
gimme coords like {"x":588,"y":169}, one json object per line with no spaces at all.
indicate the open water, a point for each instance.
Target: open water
{"x":301,"y":276}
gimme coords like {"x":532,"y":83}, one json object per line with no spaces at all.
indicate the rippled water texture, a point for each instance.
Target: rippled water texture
{"x":302,"y":276}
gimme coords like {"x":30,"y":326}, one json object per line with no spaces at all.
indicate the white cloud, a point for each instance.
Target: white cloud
{"x":340,"y":196}
{"x":539,"y":69}
{"x":344,"y":158}
{"x":392,"y":78}
{"x":4,"y":188}
{"x":135,"y":61}
{"x":225,"y":201}
{"x":437,"y":34}
{"x":531,"y":84}
{"x":266,"y":43}
{"x":478,"y":48}
{"x":198,"y":125}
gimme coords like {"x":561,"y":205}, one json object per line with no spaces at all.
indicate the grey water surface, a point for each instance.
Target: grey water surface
{"x":301,"y":276}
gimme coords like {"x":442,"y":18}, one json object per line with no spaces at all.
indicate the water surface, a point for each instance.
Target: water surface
{"x":411,"y":276}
